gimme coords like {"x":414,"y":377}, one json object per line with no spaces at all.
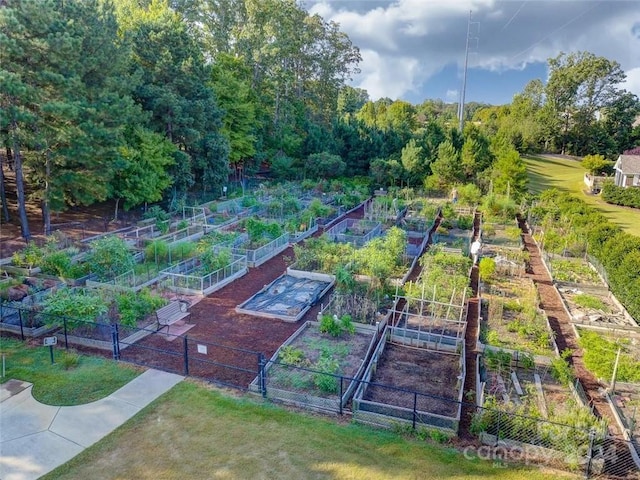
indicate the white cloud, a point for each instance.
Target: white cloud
{"x":632,"y":84}
{"x":452,"y":96}
{"x":405,"y":42}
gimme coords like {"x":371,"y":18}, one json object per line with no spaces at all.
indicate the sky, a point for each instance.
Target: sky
{"x":415,"y":49}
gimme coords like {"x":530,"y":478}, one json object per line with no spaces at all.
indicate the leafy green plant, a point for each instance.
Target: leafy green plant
{"x":109,"y":257}
{"x":77,"y":307}
{"x":324,"y":378}
{"x":560,"y":368}
{"x":464,"y":222}
{"x":589,"y":301}
{"x":157,"y":250}
{"x":496,"y":359}
{"x":182,"y":224}
{"x":133,"y":306}
{"x":57,"y":263}
{"x":29,"y":256}
{"x":336,"y":326}
{"x":213,"y":260}
{"x":486,"y":268}
{"x":162,"y":217}
{"x":291,"y":355}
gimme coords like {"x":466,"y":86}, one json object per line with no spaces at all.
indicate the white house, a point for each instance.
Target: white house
{"x":627,"y":169}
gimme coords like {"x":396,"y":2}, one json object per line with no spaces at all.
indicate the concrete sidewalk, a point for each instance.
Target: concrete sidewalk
{"x":36,"y":438}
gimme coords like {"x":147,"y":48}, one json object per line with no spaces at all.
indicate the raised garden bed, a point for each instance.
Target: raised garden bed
{"x":410,"y":385}
{"x":527,"y":405}
{"x":316,"y":370}
{"x":191,"y":277}
{"x":289,"y":296}
{"x":353,"y":231}
{"x":502,"y":235}
{"x":511,"y":318}
{"x":454,"y":239}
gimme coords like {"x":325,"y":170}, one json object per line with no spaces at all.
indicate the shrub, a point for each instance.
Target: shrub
{"x":628,"y":197}
{"x":57,"y":263}
{"x":465,"y":222}
{"x":109,"y":257}
{"x":133,"y":307}
{"x":157,"y":250}
{"x":29,"y":256}
{"x":486,"y":268}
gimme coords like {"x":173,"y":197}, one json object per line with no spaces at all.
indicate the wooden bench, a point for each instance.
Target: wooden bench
{"x":171,"y":313}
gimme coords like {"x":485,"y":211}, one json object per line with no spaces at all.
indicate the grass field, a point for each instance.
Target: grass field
{"x":567,"y":175}
{"x":193,"y":432}
{"x":72,"y":380}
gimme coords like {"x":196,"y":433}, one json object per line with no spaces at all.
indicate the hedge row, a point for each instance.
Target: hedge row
{"x":628,"y":197}
{"x":617,"y":251}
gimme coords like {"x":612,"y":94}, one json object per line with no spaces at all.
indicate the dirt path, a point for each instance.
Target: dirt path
{"x":470,"y":343}
{"x":551,"y":303}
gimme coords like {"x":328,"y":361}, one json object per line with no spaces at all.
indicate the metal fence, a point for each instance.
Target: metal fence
{"x":260,"y":255}
{"x":509,"y":436}
{"x":183,"y":279}
{"x":503,"y":435}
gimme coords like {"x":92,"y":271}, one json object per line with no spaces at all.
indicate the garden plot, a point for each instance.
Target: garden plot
{"x":626,"y":405}
{"x":600,"y":349}
{"x":353,"y":231}
{"x":595,"y":306}
{"x":205,"y":274}
{"x":318,"y":366}
{"x":288,"y":297}
{"x":262,"y":240}
{"x":511,"y":319}
{"x":454,"y":239}
{"x":21,"y":309}
{"x":423,"y":322}
{"x":410,"y":385}
{"x":528,"y":404}
{"x":502,"y":235}
{"x":219,"y":214}
{"x":508,"y":261}
{"x":385,"y":209}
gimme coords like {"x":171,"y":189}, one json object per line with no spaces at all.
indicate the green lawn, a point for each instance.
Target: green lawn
{"x":193,"y":432}
{"x":567,"y":175}
{"x":72,"y":380}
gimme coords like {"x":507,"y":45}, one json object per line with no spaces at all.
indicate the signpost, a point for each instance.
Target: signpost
{"x":50,"y":342}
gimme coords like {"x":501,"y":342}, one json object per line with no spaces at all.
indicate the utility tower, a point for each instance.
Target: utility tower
{"x":464,"y":73}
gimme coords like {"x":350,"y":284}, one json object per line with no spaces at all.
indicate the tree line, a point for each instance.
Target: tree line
{"x":148,"y":100}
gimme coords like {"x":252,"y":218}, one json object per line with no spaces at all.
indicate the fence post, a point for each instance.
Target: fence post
{"x":115,"y":341}
{"x":262,"y":375}
{"x":185,"y":344}
{"x":592,"y":436}
{"x":415,"y":406}
{"x":66,"y":340}
{"x":21,"y":326}
{"x":341,"y":393}
{"x":498,"y":426}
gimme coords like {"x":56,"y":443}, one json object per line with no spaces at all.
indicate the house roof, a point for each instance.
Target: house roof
{"x":628,"y":164}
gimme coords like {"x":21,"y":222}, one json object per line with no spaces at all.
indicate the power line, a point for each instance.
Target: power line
{"x":514,"y":16}
{"x":535,"y":44}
